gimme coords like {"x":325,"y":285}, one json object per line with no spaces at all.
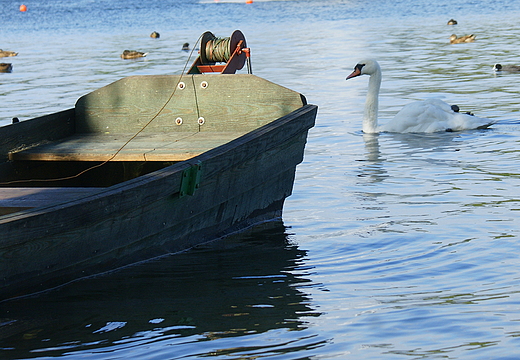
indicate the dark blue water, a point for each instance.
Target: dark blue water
{"x":392,"y":246}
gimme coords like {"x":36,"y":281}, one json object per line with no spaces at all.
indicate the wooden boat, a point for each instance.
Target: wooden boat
{"x":145,"y":166}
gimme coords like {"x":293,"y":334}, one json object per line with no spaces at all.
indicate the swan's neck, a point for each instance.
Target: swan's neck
{"x":372,"y":103}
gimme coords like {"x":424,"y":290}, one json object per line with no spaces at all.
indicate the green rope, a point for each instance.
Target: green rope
{"x":217,"y":49}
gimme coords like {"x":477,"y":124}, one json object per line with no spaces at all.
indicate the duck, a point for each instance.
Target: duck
{"x":509,"y":68}
{"x":6,"y":67}
{"x":185,"y":46}
{"x":155,"y":35}
{"x":463,"y":39}
{"x":452,"y":22}
{"x":427,"y":116}
{"x":132,"y":54}
{"x":5,"y":53}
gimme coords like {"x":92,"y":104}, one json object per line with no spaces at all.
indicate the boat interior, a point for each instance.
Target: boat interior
{"x":129,"y":128}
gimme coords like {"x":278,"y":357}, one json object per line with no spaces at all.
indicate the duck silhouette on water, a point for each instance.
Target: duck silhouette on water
{"x":507,"y":68}
{"x":463,"y":39}
{"x":6,"y":67}
{"x":132,"y":54}
{"x":5,"y":53}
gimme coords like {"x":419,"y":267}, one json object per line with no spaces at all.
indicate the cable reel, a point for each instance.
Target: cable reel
{"x":232,"y":51}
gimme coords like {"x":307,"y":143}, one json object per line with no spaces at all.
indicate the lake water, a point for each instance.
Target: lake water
{"x":392,"y":246}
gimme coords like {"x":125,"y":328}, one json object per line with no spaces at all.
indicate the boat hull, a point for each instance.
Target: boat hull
{"x":241,"y":183}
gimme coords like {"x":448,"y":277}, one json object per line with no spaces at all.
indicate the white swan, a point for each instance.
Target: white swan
{"x":427,"y":116}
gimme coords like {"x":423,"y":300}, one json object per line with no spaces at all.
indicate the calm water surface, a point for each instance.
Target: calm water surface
{"x":392,"y":246}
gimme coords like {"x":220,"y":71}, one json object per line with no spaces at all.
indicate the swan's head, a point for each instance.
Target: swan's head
{"x":365,"y":67}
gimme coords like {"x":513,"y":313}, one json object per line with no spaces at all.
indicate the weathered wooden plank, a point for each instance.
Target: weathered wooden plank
{"x":238,"y":102}
{"x":254,"y":101}
{"x":37,"y":197}
{"x":130,"y":103}
{"x":145,"y":147}
{"x":38,"y":130}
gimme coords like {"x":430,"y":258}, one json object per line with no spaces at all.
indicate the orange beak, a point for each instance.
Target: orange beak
{"x":356,"y":72}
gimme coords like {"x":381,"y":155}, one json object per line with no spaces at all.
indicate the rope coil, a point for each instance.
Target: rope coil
{"x":218,"y":49}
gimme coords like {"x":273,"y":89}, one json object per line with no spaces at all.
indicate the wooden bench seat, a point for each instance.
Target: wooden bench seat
{"x":176,"y":146}
{"x":14,"y":199}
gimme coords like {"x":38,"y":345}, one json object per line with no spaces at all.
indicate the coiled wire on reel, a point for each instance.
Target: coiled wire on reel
{"x":230,"y":50}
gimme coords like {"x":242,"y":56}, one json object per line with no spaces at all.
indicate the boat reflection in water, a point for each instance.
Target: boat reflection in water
{"x":247,"y":284}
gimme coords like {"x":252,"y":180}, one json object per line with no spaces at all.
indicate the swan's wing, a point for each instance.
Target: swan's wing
{"x":432,"y":115}
{"x":461,"y":122}
{"x":420,"y":116}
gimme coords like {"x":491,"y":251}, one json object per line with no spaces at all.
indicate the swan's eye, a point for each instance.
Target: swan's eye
{"x":359,"y":66}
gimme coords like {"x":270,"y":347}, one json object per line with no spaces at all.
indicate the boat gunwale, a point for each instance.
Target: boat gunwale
{"x":165,"y":175}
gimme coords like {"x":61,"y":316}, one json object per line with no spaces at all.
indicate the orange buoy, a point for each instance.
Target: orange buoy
{"x":249,"y":1}
{"x":23,"y":8}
